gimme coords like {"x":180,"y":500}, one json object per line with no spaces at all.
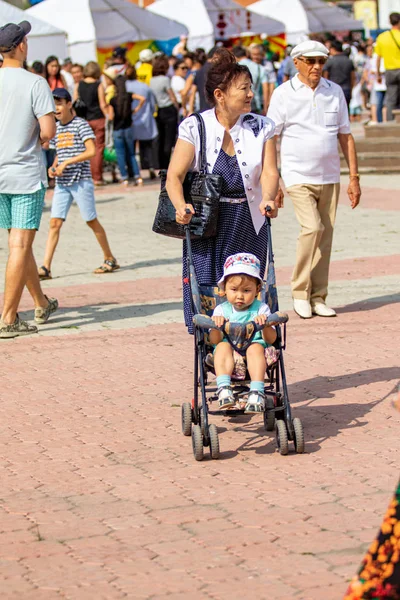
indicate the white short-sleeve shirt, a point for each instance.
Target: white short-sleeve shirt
{"x":309,"y":121}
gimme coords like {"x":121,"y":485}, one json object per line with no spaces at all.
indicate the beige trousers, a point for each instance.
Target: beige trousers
{"x":315,"y":207}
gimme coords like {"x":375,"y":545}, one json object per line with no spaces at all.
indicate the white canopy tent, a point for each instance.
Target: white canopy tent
{"x":44,"y":39}
{"x":302,"y":17}
{"x":210,"y":19}
{"x":103,"y":24}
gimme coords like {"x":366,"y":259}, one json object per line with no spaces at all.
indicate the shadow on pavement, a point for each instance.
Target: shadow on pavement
{"x":99,"y":314}
{"x":108,"y":200}
{"x":320,"y":422}
{"x":323,"y":422}
{"x":370,"y":304}
{"x":152,"y":263}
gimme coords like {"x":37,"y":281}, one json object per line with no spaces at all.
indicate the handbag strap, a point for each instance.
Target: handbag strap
{"x":202,"y":133}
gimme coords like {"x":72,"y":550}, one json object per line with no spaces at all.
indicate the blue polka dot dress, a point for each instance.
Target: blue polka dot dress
{"x":236,"y":233}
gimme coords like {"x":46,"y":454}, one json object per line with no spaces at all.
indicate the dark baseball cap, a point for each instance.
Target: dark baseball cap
{"x":119,"y":52}
{"x":62,"y":94}
{"x":12,"y":34}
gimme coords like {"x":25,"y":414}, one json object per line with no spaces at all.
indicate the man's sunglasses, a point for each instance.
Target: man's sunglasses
{"x":314,"y":61}
{"x":184,"y":68}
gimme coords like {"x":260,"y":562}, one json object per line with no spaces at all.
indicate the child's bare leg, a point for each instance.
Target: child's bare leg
{"x":101,"y":237}
{"x":223,"y":359}
{"x":223,"y":365}
{"x":256,"y":366}
{"x":52,"y":241}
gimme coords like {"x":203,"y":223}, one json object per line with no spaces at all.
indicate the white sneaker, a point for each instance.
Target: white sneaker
{"x":302,"y":308}
{"x":255,"y":402}
{"x":225,"y":398}
{"x":322,"y":310}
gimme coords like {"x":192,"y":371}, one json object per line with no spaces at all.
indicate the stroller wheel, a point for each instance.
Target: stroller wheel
{"x":281,"y":437}
{"x":298,"y":435}
{"x":269,"y":414}
{"x":186,"y":418}
{"x":197,"y":442}
{"x":214,"y":441}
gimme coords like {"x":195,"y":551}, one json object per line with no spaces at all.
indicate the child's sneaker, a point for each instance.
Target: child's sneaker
{"x":225,"y":397}
{"x":255,"y":402}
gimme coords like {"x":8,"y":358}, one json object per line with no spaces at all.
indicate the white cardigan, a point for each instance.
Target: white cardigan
{"x":249,"y":135}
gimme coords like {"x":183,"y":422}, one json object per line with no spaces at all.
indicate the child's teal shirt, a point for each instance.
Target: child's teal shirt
{"x":243,"y":316}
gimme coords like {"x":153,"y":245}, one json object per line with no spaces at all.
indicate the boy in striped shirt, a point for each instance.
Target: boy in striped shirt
{"x":74,"y":145}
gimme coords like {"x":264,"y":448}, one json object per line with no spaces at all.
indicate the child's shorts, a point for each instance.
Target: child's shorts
{"x":83,"y":194}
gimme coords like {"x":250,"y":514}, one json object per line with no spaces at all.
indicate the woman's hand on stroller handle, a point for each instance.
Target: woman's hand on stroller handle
{"x":184,"y":214}
{"x":268,"y":209}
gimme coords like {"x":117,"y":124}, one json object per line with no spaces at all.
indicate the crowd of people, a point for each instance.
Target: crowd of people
{"x":106,"y":113}
{"x":139,"y":107}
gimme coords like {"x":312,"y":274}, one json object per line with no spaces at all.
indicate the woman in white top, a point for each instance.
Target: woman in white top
{"x":178,"y":83}
{"x":240,"y":147}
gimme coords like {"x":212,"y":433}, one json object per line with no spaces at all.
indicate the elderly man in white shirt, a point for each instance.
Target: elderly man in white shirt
{"x":311,"y":114}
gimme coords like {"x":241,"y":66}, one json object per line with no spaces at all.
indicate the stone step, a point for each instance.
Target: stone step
{"x":387,"y":130}
{"x":381,"y":170}
{"x":396,"y":114}
{"x":372,"y":159}
{"x":379,"y":144}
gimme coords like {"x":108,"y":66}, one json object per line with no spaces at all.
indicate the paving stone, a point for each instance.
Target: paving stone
{"x":101,"y":496}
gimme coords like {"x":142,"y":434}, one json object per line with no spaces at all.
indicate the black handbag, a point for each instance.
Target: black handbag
{"x":202,"y":190}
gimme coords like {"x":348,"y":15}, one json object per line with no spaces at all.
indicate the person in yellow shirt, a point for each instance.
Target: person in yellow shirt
{"x":144,"y":73}
{"x":388,"y":48}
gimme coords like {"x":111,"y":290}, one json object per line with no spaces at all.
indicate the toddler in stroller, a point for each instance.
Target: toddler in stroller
{"x":241,"y":328}
{"x":241,"y":283}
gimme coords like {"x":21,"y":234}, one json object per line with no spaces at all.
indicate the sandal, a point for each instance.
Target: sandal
{"x":108,"y":266}
{"x":44,"y":273}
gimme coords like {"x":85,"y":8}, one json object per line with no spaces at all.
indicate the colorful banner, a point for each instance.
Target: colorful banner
{"x":133,"y":49}
{"x":275,"y":43}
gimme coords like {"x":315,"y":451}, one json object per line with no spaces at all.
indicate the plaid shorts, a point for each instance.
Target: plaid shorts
{"x":21,"y":211}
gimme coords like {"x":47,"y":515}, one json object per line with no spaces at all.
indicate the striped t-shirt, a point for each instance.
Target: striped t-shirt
{"x":70,"y":141}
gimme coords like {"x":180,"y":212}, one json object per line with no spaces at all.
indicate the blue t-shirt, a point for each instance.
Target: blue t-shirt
{"x":68,"y":142}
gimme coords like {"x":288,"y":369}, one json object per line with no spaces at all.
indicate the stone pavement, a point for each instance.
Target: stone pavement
{"x":101,"y":497}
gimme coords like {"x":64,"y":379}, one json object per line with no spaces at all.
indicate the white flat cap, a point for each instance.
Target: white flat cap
{"x":146,"y":55}
{"x":309,"y":48}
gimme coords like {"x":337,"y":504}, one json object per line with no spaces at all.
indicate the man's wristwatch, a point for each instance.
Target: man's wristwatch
{"x":356,"y":175}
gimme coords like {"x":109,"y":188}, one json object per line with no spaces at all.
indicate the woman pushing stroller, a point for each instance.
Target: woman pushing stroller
{"x":241,"y":149}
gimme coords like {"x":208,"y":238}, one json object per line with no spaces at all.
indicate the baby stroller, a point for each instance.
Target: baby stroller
{"x":277,"y":412}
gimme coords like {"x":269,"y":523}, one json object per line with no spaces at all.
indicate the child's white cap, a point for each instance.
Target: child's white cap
{"x":241,"y":264}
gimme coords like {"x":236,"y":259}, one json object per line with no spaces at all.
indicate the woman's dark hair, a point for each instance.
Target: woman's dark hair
{"x":130,"y":73}
{"x":38,"y":68}
{"x":179,"y":63}
{"x":160,"y":66}
{"x":123,"y":99}
{"x":224,"y":71}
{"x":49,"y":60}
{"x":200,"y":56}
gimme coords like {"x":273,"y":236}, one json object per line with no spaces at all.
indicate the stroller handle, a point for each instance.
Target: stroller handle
{"x":239,"y":335}
{"x":204,"y":322}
